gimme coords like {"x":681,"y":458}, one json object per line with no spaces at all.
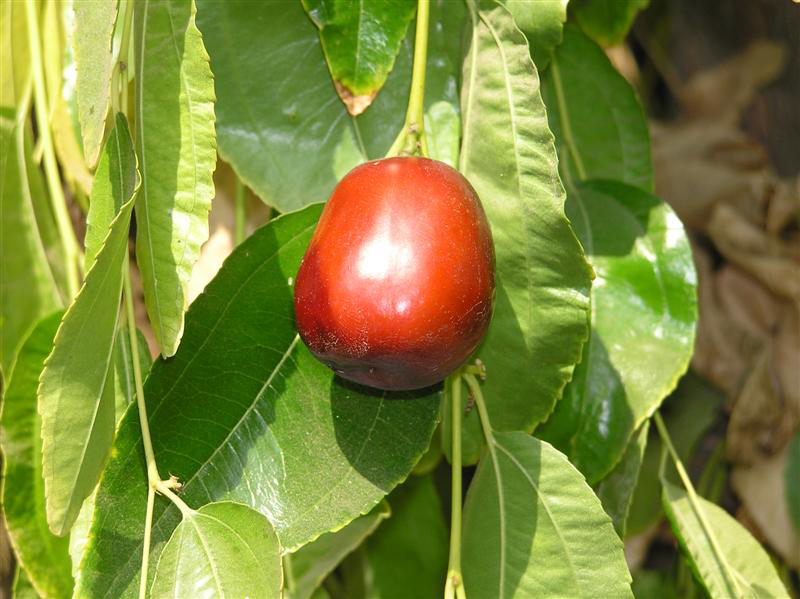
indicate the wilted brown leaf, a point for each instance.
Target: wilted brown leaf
{"x":761,"y":488}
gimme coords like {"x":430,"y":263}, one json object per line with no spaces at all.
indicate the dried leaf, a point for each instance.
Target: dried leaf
{"x":761,"y":489}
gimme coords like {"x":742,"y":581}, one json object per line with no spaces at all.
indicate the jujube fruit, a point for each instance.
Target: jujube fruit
{"x":396,"y":288}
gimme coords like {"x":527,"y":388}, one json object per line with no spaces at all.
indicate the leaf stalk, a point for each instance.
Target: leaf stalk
{"x":695,"y":502}
{"x":154,"y":481}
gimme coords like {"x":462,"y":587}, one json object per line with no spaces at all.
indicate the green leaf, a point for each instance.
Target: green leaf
{"x":58,"y":41}
{"x":94,"y":27}
{"x":43,"y":555}
{"x":176,"y":145}
{"x":14,"y":53}
{"x":292,"y":149}
{"x":125,"y":395}
{"x":360,"y":42}
{"x":115,"y":182}
{"x":543,"y":279}
{"x":534,"y":528}
{"x":792,"y":476}
{"x":644,"y":311}
{"x":615,"y":491}
{"x":443,"y":132}
{"x":243,"y":411}
{"x":23,"y":589}
{"x":606,"y":21}
{"x":738,"y":566}
{"x":313,"y":562}
{"x":648,"y":584}
{"x":76,"y":394}
{"x":542,"y":22}
{"x":46,"y":222}
{"x":407,"y":556}
{"x":687,"y":413}
{"x":225,"y":550}
{"x":27,"y":288}
{"x":598,"y":121}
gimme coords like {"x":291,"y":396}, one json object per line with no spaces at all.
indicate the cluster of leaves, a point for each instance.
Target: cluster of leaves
{"x":286,"y":467}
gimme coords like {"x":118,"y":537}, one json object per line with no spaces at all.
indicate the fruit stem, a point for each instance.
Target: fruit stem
{"x":412,"y":137}
{"x":475,"y":390}
{"x":694,"y":502}
{"x":455,"y":584}
{"x":69,"y":243}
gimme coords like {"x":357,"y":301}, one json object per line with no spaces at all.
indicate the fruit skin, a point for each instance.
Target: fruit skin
{"x":396,"y":288}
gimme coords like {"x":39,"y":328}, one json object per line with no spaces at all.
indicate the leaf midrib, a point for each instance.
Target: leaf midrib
{"x":557,"y":528}
{"x":134,"y":449}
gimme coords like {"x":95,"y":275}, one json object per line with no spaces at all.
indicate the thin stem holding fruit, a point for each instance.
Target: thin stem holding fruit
{"x":411,"y":139}
{"x":475,"y":390}
{"x":455,"y":582}
{"x":694,"y":501}
{"x":69,"y":243}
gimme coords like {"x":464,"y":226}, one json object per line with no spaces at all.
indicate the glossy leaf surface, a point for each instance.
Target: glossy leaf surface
{"x":225,"y":550}
{"x":542,"y":22}
{"x":76,"y":394}
{"x":645,"y":277}
{"x":291,"y":150}
{"x":534,"y":528}
{"x":43,"y":555}
{"x":267,"y":424}
{"x":313,"y":562}
{"x":407,"y":555}
{"x":607,"y":21}
{"x":543,"y":279}
{"x":599,"y":124}
{"x":27,"y":288}
{"x":741,"y":567}
{"x":94,"y":26}
{"x":616,"y":490}
{"x":360,"y":41}
{"x":176,"y":145}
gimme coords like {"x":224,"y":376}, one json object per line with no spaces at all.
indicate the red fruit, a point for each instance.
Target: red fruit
{"x":396,"y":288}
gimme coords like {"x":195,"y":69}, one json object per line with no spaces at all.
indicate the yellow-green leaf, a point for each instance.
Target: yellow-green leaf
{"x":42,"y":555}
{"x":76,"y":394}
{"x":27,"y":288}
{"x":176,"y":145}
{"x":94,"y":26}
{"x":224,"y":550}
